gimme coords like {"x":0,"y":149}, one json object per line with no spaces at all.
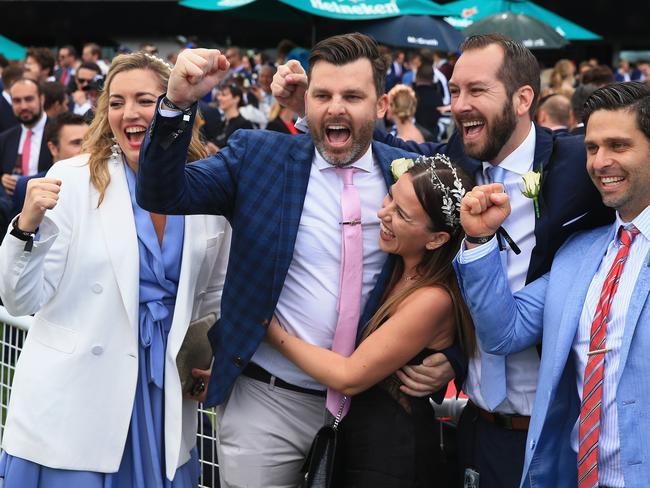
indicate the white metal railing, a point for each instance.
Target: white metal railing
{"x":14,"y":330}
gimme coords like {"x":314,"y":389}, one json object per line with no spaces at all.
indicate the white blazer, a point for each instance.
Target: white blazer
{"x":74,"y":385}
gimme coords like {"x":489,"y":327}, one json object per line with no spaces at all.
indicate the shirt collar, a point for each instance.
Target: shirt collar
{"x":520,"y":160}
{"x":364,"y":163}
{"x":40,"y":125}
{"x":6,"y":96}
{"x":641,"y":222}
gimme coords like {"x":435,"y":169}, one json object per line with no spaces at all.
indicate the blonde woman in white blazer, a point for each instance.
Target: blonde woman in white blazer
{"x":96,"y":399}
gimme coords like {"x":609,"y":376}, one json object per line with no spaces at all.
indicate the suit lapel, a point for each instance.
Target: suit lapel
{"x":574,"y":302}
{"x":294,"y":188}
{"x":637,"y":302}
{"x":44,"y":156}
{"x":543,"y":152}
{"x":118,"y":224}
{"x":11,"y":150}
{"x":194,"y":247}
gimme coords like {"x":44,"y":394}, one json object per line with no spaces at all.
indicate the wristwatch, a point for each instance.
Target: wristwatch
{"x":23,"y":235}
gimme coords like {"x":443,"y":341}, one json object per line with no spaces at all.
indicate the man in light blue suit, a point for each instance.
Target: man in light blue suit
{"x":560,"y":310}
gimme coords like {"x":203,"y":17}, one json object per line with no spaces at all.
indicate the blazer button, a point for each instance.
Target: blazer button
{"x":97,"y":350}
{"x":238,"y":362}
{"x":97,"y":288}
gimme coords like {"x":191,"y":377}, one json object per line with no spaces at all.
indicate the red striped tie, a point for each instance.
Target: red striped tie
{"x":592,"y":392}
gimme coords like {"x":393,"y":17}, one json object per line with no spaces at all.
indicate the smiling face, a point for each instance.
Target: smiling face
{"x":618,"y":161}
{"x":405,"y":225}
{"x":480,"y":105}
{"x":131,"y":106}
{"x":342,"y":107}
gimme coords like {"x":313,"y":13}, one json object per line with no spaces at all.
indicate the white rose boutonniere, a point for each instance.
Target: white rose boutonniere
{"x":400,"y":166}
{"x":532,"y":185}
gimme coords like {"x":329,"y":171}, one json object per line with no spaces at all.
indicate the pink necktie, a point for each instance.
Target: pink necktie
{"x":64,"y":77}
{"x":27,"y":147}
{"x":349,"y":303}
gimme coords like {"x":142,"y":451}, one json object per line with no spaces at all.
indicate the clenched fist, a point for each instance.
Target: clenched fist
{"x":289,"y":86}
{"x":42,"y":194}
{"x":483,"y":210}
{"x":195,"y":73}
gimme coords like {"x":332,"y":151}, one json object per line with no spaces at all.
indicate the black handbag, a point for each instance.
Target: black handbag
{"x":323,"y":464}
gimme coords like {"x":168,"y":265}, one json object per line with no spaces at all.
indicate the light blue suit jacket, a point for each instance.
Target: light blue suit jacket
{"x":548,"y":310}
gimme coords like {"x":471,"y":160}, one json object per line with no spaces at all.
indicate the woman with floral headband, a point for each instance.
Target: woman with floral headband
{"x":389,"y":439}
{"x":96,"y":399}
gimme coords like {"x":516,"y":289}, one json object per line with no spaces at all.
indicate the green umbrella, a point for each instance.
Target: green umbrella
{"x":468,"y":11}
{"x":531,"y":32}
{"x":11,"y":49}
{"x":337,"y":9}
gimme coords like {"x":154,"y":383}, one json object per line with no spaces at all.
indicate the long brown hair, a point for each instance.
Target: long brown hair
{"x":435,"y":268}
{"x":99,"y":139}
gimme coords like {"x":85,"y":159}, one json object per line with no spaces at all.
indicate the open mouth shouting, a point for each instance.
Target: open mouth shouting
{"x":135,"y":135}
{"x":337,"y":135}
{"x":472,"y":128}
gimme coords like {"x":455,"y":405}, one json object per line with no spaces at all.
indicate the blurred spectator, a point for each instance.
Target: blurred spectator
{"x":598,"y":75}
{"x":23,"y":150}
{"x":10,"y":74}
{"x":644,"y":70}
{"x":282,"y":119}
{"x":63,"y":135}
{"x":402,"y":104}
{"x":578,"y":100}
{"x":39,"y":64}
{"x":429,"y":99}
{"x":55,"y":99}
{"x":234,"y":56}
{"x":262,"y":90}
{"x":229,"y":97}
{"x":625,"y":72}
{"x":441,"y":63}
{"x":285,"y":46}
{"x":92,"y":53}
{"x":67,"y":61}
{"x":411,"y":68}
{"x":554,"y":112}
{"x":441,"y":84}
{"x":395,"y":68}
{"x":562,"y":78}
{"x":583,"y":67}
{"x":87,"y":73}
{"x":149,"y":48}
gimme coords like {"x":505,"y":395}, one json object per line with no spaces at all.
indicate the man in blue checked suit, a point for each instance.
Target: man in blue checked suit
{"x":282,"y":198}
{"x":589,"y":425}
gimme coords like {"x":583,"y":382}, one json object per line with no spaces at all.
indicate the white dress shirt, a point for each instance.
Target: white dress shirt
{"x":609,"y":463}
{"x":6,"y":96}
{"x":522,"y":367}
{"x":307,"y":303}
{"x":35,"y":149}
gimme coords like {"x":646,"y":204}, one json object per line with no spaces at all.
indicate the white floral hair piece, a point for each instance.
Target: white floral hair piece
{"x":451,"y":197}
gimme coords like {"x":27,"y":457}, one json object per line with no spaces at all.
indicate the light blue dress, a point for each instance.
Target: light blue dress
{"x":143,"y":460}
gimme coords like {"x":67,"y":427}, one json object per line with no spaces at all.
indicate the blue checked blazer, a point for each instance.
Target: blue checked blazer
{"x":258,"y":182}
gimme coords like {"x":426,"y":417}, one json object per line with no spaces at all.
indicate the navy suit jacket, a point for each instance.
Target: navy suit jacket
{"x":258,"y":182}
{"x":7,"y":117}
{"x":569,"y":201}
{"x":9,"y":141}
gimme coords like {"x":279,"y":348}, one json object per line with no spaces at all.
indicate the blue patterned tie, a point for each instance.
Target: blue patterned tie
{"x":493,"y":367}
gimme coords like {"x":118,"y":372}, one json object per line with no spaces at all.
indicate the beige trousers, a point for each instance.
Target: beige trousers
{"x":264,"y":434}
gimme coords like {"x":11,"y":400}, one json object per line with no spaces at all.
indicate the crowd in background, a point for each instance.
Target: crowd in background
{"x":49,"y":99}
